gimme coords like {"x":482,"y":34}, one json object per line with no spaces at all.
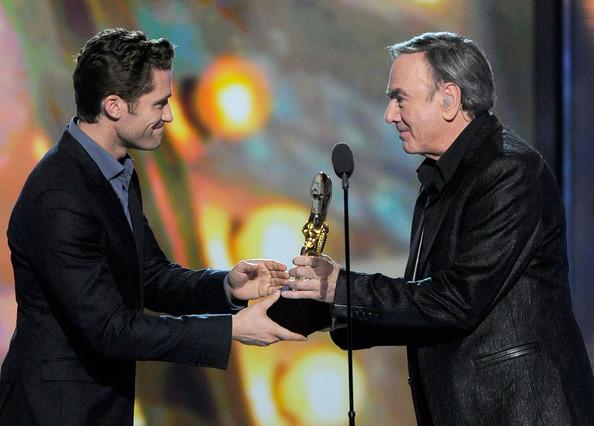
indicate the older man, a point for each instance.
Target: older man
{"x":484,"y":305}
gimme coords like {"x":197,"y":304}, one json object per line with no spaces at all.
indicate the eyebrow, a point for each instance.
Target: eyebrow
{"x":162,"y":101}
{"x":396,"y":93}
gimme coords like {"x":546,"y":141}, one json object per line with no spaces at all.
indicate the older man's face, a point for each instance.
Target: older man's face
{"x":411,"y":108}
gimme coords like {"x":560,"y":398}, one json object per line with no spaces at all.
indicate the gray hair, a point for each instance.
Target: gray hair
{"x":455,"y":59}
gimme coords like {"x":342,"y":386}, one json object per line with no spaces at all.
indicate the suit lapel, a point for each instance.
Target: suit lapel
{"x":100,"y":188}
{"x":453,"y":187}
{"x":135,"y":206}
{"x":443,"y":206}
{"x":415,"y":234}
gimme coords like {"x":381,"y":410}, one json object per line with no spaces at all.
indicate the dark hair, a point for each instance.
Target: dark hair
{"x":456,"y":59}
{"x":116,"y":62}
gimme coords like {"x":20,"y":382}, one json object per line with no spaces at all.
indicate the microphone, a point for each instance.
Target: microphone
{"x":342,"y":161}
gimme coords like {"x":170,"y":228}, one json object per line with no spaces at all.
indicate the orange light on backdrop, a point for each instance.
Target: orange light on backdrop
{"x":233,"y":98}
{"x":185,"y":139}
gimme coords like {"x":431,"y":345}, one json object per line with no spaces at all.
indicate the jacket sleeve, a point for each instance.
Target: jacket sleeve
{"x":173,"y":289}
{"x":497,"y":233}
{"x":66,"y":253}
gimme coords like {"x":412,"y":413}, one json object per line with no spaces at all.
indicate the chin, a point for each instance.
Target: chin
{"x":407,"y":148}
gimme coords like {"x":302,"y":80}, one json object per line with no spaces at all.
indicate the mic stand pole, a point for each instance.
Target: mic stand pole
{"x":345,"y":188}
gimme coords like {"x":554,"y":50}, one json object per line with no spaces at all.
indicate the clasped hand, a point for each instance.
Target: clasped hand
{"x":254,"y":279}
{"x":315,"y":278}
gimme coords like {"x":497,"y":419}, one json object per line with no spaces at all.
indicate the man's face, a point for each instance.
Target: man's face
{"x":141,"y":126}
{"x":411,"y":108}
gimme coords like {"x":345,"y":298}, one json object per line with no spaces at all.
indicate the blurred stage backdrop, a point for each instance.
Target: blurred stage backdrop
{"x":263,"y":90}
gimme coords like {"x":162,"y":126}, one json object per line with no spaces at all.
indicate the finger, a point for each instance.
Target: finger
{"x":303,"y":285}
{"x":302,"y":272}
{"x":270,"y":264}
{"x":300,"y":294}
{"x":279,"y":274}
{"x":246,"y":266}
{"x":284,"y":334}
{"x":273,"y":290}
{"x":276,"y":282}
{"x":268,"y":301}
{"x":273,"y":265}
{"x":302,"y":260}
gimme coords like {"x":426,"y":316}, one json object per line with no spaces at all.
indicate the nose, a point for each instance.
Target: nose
{"x":167,"y":114}
{"x":392,"y":113}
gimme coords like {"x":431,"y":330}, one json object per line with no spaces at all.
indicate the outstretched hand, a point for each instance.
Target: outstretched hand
{"x":251,"y":326}
{"x":315,"y":278}
{"x":255,"y":278}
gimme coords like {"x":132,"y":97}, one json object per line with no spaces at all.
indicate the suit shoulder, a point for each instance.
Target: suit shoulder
{"x":513,"y":156}
{"x":505,"y":161}
{"x":56,"y":181}
{"x":514,"y":147}
{"x":56,"y":170}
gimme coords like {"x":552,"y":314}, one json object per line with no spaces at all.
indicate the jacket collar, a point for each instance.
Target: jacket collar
{"x":97,"y":183}
{"x":478,"y":148}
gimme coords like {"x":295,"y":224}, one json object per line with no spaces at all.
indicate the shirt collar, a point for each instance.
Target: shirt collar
{"x":434,"y":175}
{"x":109,"y":166}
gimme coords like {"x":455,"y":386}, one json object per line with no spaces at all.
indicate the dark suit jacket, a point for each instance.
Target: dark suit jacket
{"x":82,"y":280}
{"x":491,"y":336}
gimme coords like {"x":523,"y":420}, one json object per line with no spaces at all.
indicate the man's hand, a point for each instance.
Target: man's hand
{"x":255,"y":278}
{"x":315,"y":278}
{"x":251,"y":326}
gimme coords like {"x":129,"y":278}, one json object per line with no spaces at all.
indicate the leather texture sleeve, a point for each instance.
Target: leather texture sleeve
{"x":483,"y":245}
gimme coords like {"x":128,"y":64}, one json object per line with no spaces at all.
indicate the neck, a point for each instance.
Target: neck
{"x":452,"y":129}
{"x":105,"y":137}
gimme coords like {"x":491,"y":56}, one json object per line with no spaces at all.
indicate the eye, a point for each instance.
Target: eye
{"x":161,"y":105}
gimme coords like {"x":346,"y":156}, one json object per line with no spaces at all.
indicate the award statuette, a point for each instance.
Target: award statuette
{"x":316,"y":230}
{"x":306,"y":316}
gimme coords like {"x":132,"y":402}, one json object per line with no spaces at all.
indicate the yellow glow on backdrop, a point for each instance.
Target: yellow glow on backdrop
{"x":185,"y":139}
{"x":267,"y":374}
{"x":40,"y":146}
{"x":214,"y":226}
{"x":272,"y":231}
{"x":429,"y":2}
{"x":233,"y":98}
{"x":139,"y":418}
{"x":314,"y":388}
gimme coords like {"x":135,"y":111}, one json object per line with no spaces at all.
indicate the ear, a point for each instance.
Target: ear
{"x":113,"y":107}
{"x":451,"y":102}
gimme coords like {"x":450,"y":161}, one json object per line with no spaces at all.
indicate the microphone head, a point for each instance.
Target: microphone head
{"x":342,"y":159}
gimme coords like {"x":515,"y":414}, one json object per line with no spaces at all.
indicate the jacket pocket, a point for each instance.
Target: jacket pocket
{"x":64,"y":370}
{"x":489,"y":360}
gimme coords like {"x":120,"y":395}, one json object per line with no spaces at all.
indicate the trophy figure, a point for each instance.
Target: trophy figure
{"x":307,"y":316}
{"x":316,"y":229}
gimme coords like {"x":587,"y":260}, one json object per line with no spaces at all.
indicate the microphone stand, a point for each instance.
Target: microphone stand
{"x":345,"y":188}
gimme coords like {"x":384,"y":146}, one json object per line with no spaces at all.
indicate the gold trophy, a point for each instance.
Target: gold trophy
{"x":307,"y":316}
{"x":316,"y":229}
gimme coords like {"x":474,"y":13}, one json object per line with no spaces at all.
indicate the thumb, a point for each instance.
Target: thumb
{"x":268,"y":301}
{"x":244,"y":267}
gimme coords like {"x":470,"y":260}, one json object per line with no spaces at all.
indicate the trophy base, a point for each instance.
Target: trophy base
{"x":301,"y":316}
